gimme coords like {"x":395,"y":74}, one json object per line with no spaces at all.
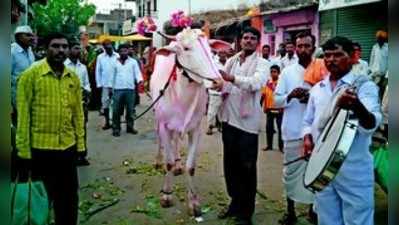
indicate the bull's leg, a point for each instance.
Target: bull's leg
{"x":193,"y":198}
{"x":168,"y":145}
{"x":159,"y":157}
{"x":178,"y":168}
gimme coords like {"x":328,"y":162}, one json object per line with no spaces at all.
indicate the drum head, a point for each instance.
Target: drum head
{"x":324,"y":147}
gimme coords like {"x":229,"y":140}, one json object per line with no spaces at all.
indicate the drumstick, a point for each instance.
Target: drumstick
{"x":305,"y":157}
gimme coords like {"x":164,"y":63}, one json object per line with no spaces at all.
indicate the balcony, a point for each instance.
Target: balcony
{"x":153,"y":14}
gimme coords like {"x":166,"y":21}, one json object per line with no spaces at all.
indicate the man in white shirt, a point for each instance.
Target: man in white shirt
{"x":245,"y":75}
{"x":21,"y":58}
{"x":280,"y":54}
{"x":359,"y":67}
{"x":215,"y":97}
{"x":266,"y":52}
{"x":292,"y":94}
{"x":126,"y":72}
{"x":349,"y":197}
{"x":379,"y":60}
{"x":290,"y":58}
{"x":104,"y":76}
{"x":74,"y":64}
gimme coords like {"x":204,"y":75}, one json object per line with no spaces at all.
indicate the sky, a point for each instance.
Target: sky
{"x":205,"y":5}
{"x":105,"y":6}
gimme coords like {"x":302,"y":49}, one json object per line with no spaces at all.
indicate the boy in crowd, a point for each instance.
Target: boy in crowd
{"x":273,"y":113}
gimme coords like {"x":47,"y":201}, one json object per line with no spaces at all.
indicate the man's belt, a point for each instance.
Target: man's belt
{"x":275,"y":110}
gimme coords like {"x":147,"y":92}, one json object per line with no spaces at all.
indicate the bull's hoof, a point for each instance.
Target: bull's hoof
{"x":194,"y":207}
{"x":177,"y":171}
{"x":166,"y":200}
{"x":195,"y":211}
{"x":166,"y":203}
{"x":178,"y":168}
{"x":158,"y":166}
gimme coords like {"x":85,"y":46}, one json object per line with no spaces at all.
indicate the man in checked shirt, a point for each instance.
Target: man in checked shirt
{"x":50,"y":134}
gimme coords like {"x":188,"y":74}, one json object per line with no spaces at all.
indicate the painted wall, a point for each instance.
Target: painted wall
{"x":291,"y":21}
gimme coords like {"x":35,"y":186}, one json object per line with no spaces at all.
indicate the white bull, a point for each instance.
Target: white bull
{"x":187,"y":63}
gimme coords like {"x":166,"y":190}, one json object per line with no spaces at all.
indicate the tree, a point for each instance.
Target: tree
{"x":63,"y":16}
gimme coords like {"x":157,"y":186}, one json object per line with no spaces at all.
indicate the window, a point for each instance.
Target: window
{"x":269,"y":26}
{"x":272,"y":43}
{"x":149,"y":8}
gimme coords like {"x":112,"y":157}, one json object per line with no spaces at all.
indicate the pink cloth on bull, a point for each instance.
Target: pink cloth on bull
{"x":184,"y":103}
{"x":163,"y":67}
{"x":246,"y":105}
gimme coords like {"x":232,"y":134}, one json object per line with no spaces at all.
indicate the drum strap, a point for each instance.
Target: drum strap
{"x":333,"y":109}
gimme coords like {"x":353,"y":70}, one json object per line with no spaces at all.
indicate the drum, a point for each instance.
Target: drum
{"x":330,"y":151}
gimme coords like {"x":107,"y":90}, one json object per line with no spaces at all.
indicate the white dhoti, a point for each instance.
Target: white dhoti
{"x":293,"y":173}
{"x":105,"y":98}
{"x":215,"y":101}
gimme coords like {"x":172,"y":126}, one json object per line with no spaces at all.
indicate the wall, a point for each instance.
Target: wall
{"x":291,"y":21}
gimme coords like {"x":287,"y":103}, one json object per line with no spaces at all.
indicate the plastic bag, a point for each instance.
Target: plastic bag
{"x":381,"y":167}
{"x":29,"y":204}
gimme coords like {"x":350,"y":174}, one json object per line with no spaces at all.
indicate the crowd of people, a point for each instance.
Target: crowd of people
{"x":50,"y":103}
{"x":50,"y":99}
{"x":294,"y":97}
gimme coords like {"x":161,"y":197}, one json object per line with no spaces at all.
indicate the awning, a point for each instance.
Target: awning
{"x":137,"y":37}
{"x":134,"y":37}
{"x":329,"y":4}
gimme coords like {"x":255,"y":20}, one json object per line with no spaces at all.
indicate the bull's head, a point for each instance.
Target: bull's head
{"x":193,"y":54}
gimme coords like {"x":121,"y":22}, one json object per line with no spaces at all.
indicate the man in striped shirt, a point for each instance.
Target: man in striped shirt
{"x":50,"y":134}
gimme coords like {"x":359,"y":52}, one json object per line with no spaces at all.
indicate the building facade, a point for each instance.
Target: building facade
{"x":357,"y":19}
{"x":284,"y":24}
{"x":109,"y":23}
{"x":160,"y":10}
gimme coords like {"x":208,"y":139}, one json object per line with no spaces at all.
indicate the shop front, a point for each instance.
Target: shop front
{"x":355,"y":19}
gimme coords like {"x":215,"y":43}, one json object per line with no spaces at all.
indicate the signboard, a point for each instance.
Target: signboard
{"x":334,"y":4}
{"x":127,"y":27}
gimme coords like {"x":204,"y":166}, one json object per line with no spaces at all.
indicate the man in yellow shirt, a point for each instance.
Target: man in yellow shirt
{"x":50,"y":134}
{"x":272,"y":112}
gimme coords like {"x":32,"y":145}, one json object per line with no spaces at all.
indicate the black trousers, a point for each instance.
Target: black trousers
{"x":240,"y":150}
{"x":270,"y":118}
{"x":123,"y":98}
{"x":58,"y":171}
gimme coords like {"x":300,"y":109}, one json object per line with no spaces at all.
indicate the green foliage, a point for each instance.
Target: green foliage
{"x":63,"y":16}
{"x":152,"y":207}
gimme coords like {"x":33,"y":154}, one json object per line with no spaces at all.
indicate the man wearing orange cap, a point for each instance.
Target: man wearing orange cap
{"x":379,"y":60}
{"x":104,"y":78}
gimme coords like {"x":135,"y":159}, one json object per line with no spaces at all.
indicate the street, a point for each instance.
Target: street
{"x":121,"y":186}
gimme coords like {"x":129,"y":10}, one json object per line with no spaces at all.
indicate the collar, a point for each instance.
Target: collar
{"x":113,"y":54}
{"x":46,"y":69}
{"x":385,"y":45}
{"x":20,"y":49}
{"x":69,"y":62}
{"x":293,"y":57}
{"x":346,"y":79}
{"x":127,"y":60}
{"x":248,"y":56}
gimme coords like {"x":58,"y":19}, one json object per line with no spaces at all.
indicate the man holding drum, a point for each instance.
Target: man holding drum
{"x":349,"y":197}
